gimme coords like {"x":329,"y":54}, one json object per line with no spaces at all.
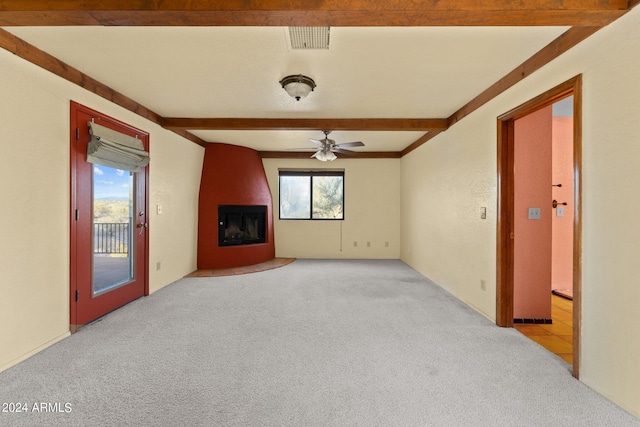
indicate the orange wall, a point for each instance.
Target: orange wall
{"x":532,"y":245}
{"x":562,"y":227}
{"x":231,"y":175}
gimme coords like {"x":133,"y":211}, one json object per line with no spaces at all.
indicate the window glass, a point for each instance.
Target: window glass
{"x":327,"y":197}
{"x":295,"y":197}
{"x":312,"y":195}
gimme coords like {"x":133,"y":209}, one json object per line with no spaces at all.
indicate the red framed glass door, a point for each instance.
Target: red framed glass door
{"x":109,"y":232}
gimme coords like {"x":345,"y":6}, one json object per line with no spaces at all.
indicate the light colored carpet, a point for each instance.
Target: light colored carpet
{"x":314,"y":343}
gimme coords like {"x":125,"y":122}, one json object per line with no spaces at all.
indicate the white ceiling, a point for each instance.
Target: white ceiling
{"x":368,"y":72}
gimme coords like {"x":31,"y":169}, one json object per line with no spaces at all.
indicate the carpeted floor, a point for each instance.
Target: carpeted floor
{"x":314,"y":343}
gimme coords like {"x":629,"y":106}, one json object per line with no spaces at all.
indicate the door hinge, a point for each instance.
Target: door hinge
{"x":77,"y":295}
{"x":77,"y":134}
{"x":77,"y":215}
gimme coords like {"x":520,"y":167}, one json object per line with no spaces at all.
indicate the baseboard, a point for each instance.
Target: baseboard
{"x":32,"y":352}
{"x":529,"y":321}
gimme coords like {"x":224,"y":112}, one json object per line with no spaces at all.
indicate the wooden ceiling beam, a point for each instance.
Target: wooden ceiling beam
{"x":327,"y":5}
{"x":304,"y":124}
{"x":322,"y":18}
{"x":318,"y":13}
{"x":417,"y":143}
{"x":307,"y":155}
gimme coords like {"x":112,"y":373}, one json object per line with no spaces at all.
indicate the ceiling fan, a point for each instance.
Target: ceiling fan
{"x":326,"y":148}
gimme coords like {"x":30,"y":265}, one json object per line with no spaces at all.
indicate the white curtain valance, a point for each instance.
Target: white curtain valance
{"x":114,"y":149}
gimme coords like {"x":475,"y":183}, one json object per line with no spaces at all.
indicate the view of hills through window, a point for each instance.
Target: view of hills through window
{"x":112,"y":227}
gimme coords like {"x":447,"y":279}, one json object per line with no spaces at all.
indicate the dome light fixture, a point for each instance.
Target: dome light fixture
{"x":298,"y":86}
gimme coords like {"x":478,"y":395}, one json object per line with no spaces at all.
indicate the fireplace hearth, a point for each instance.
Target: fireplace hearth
{"x":241,"y":225}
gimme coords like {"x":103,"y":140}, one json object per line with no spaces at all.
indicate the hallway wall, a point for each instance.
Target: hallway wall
{"x":446,"y":181}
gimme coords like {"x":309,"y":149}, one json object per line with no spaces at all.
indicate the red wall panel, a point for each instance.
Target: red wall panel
{"x":532,"y":245}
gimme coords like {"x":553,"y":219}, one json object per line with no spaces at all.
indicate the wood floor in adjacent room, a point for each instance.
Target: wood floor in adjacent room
{"x":558,"y":336}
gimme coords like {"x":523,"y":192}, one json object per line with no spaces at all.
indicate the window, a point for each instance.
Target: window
{"x":312,"y":195}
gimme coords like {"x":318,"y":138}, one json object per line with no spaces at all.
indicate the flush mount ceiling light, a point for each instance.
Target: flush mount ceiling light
{"x":298,"y":86}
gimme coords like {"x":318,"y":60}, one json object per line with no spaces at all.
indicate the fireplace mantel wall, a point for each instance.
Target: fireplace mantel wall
{"x":231,"y":175}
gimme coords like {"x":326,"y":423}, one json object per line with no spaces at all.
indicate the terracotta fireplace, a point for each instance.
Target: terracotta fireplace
{"x":234,"y":199}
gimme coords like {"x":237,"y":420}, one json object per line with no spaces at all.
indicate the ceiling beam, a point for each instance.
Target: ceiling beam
{"x":353,"y":155}
{"x":304,"y":124}
{"x":417,"y":143}
{"x":316,"y":13}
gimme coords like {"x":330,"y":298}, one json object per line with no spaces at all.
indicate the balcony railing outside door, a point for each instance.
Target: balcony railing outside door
{"x":111,"y":238}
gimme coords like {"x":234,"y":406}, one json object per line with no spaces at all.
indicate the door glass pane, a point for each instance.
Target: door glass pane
{"x":113,"y":213}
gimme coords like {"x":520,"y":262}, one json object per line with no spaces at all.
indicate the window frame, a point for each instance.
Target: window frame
{"x":311,"y":174}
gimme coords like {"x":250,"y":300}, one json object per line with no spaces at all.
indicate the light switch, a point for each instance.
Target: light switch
{"x":534,"y":213}
{"x":159,"y":209}
{"x":483,"y":213}
{"x":559,"y":211}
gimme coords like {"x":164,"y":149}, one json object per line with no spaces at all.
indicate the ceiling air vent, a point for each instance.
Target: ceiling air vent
{"x":309,"y":37}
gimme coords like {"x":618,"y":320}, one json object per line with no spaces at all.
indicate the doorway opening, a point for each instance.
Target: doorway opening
{"x":539,"y":221}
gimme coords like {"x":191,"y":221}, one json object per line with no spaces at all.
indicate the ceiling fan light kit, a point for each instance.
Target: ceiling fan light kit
{"x":325,"y":156}
{"x":327,"y":148}
{"x":298,"y":86}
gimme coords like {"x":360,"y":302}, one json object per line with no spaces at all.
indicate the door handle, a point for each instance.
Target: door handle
{"x":143,"y":225}
{"x":555,"y":203}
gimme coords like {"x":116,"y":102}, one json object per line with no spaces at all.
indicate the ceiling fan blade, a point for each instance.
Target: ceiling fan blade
{"x":343,"y":151}
{"x":303,"y":149}
{"x":351,"y":144}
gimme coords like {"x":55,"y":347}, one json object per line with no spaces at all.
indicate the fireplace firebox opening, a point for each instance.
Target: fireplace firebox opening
{"x":241,"y":225}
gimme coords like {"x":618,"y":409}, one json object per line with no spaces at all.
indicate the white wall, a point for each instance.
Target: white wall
{"x":371,"y":212}
{"x":445,"y":182}
{"x":34,"y":172}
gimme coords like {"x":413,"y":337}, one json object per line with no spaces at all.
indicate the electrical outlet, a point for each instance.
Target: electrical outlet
{"x":158,"y":266}
{"x":368,"y":244}
{"x":386,"y":244}
{"x":534,"y":213}
{"x":355,"y":244}
{"x":483,"y":285}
